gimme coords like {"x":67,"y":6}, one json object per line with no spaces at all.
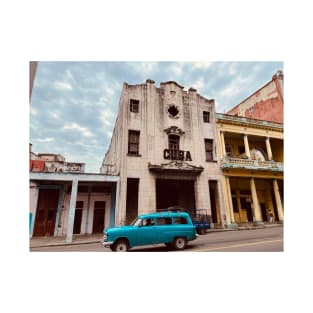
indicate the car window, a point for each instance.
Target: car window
{"x":164,"y":221}
{"x":137,"y":222}
{"x":180,"y":220}
{"x":148,"y":222}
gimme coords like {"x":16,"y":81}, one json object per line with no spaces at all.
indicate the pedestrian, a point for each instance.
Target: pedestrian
{"x":271,"y":217}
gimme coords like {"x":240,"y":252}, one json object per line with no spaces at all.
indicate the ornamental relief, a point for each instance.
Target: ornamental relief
{"x":174,"y":130}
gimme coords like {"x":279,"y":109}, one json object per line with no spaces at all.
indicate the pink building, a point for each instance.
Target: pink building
{"x":267,"y":103}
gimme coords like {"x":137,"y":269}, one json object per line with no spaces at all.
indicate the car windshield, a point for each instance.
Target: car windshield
{"x":136,"y":222}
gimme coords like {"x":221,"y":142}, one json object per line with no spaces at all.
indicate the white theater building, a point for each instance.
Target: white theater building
{"x":164,"y":149}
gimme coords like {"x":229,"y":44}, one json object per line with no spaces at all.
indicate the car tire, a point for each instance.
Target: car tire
{"x":179,"y":243}
{"x":120,"y":245}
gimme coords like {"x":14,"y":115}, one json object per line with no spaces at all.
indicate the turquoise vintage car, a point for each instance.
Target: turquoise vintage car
{"x":174,"y":229}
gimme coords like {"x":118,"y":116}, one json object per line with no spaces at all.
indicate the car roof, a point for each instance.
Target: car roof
{"x":163,"y":214}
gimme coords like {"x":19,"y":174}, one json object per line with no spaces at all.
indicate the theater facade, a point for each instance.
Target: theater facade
{"x":164,"y":149}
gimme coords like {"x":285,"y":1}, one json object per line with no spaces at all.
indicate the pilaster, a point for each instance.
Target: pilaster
{"x":256,"y":206}
{"x":71,"y":213}
{"x":278,"y":202}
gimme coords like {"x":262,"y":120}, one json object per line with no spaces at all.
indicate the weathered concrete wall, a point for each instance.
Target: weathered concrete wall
{"x":265,"y":104}
{"x":154,"y":121}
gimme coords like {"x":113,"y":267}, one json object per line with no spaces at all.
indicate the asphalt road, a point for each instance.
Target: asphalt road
{"x":257,"y":240}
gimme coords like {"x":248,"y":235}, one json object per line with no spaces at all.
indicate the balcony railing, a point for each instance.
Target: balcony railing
{"x":228,"y":162}
{"x":109,"y":169}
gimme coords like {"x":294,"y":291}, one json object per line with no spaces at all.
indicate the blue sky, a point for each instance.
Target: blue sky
{"x":74,"y":104}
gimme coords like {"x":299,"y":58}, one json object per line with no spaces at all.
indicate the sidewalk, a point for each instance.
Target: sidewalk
{"x":37,"y":242}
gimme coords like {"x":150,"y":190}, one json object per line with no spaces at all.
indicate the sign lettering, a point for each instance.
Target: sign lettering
{"x":176,"y":155}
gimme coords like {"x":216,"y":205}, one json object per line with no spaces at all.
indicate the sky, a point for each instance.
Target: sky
{"x":74,"y":105}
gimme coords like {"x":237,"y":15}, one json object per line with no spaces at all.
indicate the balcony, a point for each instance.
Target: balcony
{"x":249,"y":164}
{"x":108,"y":169}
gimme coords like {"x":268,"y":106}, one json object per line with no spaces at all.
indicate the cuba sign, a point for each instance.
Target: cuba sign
{"x":176,"y":155}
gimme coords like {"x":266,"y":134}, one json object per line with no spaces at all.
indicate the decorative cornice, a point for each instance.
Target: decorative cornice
{"x":176,"y":167}
{"x":174,"y":130}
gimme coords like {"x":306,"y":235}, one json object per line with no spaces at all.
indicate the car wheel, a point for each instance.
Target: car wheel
{"x":180,"y":243}
{"x":120,"y":245}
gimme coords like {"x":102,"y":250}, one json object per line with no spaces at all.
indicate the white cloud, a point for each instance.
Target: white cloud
{"x":145,"y":68}
{"x":83,"y":130}
{"x":107,"y":117}
{"x":46,"y":139}
{"x":62,"y":86}
{"x":201,"y":65}
{"x":199,"y":84}
{"x":177,"y":69}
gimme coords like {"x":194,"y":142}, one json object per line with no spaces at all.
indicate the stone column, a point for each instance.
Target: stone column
{"x":268,"y":148}
{"x":222,"y":204}
{"x":88,"y":209}
{"x":230,"y":203}
{"x":247,"y":149}
{"x":256,"y":207}
{"x":202,"y":193}
{"x":223,"y":149}
{"x":278,"y":202}
{"x":58,"y":216}
{"x":33,"y":209}
{"x":71,"y":213}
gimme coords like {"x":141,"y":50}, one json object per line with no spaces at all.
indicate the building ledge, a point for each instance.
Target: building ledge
{"x":176,"y":167}
{"x":248,"y":164}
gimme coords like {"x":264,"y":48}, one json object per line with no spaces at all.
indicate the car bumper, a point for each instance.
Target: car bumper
{"x":107,"y":244}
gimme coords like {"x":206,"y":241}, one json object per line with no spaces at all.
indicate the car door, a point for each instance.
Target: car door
{"x":146,"y":234}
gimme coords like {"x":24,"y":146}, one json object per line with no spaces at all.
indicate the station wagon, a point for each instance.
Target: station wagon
{"x":174,"y":229}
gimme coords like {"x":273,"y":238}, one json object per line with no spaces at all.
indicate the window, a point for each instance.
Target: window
{"x":134,"y":105}
{"x":208,"y":143}
{"x":133,"y":142}
{"x":206,"y":117}
{"x":173,"y":111}
{"x":229,"y":150}
{"x":79,"y":204}
{"x":173,"y":142}
{"x":180,"y":220}
{"x":164,"y":221}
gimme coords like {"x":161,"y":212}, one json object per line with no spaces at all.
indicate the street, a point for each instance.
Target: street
{"x":269,"y":239}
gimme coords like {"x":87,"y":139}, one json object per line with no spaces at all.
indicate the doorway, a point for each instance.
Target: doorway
{"x":172,"y":192}
{"x":132,"y":199}
{"x":98,"y":217}
{"x":46,"y":212}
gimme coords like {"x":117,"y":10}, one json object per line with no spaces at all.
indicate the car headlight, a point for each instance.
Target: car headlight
{"x":105,"y":237}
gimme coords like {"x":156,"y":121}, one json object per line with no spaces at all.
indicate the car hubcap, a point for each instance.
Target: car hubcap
{"x":121,"y":247}
{"x":180,"y":243}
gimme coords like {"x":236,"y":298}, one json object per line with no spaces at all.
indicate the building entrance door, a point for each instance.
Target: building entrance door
{"x":173,"y":192}
{"x":46,"y":212}
{"x":98,"y":217}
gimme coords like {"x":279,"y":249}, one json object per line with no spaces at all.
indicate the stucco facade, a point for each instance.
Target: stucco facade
{"x":164,"y":148}
{"x":267,"y":103}
{"x":252,"y":161}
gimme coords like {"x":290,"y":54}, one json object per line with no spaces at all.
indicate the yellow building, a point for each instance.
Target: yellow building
{"x":252,"y":163}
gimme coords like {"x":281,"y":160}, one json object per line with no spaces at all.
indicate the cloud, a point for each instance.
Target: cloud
{"x":201,"y":65}
{"x":62,"y":86}
{"x":107,"y":117}
{"x":83,"y":130}
{"x":45,"y":140}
